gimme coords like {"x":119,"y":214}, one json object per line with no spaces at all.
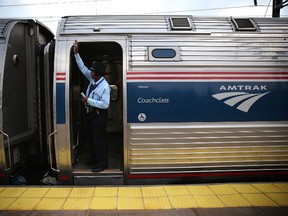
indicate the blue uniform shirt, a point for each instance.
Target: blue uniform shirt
{"x":100,"y":96}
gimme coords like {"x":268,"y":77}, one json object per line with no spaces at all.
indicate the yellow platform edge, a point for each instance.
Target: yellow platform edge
{"x":144,"y":197}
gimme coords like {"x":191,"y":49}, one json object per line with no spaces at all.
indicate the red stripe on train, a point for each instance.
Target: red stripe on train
{"x":216,"y":174}
{"x":202,"y":73}
{"x":203,"y":78}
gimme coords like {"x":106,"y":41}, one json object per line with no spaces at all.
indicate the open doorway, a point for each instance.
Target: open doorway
{"x":109,"y":53}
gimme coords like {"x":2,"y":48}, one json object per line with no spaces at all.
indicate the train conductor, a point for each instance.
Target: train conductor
{"x":96,"y":100}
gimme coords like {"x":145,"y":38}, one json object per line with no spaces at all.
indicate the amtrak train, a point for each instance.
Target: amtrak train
{"x":190,"y":97}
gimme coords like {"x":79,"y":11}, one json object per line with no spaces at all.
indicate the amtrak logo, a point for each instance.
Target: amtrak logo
{"x":241,"y":100}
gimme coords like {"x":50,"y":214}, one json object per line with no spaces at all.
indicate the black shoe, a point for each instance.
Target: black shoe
{"x":97,"y":169}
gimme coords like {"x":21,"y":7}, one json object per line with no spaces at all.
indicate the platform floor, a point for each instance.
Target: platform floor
{"x":201,"y":199}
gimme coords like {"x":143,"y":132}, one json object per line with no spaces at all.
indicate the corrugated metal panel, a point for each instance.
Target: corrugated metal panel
{"x":160,"y":24}
{"x":114,"y":24}
{"x":212,"y":24}
{"x":169,"y":148}
{"x":237,"y":51}
{"x":139,"y":24}
{"x":272,"y":25}
{"x":3,"y":25}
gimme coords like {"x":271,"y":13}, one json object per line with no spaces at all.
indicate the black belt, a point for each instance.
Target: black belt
{"x":91,"y":111}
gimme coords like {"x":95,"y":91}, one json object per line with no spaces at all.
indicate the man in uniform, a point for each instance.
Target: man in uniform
{"x":96,"y":100}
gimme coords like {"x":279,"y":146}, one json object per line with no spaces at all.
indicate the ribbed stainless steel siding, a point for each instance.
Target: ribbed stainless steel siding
{"x":3,"y":25}
{"x":212,"y":43}
{"x":272,"y":25}
{"x":192,"y":148}
{"x":113,"y":24}
{"x":218,"y":51}
{"x":212,"y":24}
{"x":160,"y":24}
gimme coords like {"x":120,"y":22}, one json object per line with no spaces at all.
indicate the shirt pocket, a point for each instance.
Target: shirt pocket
{"x":97,"y":94}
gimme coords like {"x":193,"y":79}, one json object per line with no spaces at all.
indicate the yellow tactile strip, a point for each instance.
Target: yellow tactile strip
{"x":144,"y":197}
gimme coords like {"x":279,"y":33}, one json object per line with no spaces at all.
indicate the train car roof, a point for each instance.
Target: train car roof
{"x":4,"y":23}
{"x":151,"y":24}
{"x":7,"y":24}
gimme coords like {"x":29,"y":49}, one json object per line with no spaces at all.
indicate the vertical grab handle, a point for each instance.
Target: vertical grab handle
{"x":9,"y":150}
{"x":50,"y":151}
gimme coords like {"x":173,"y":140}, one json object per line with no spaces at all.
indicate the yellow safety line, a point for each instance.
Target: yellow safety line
{"x":144,"y":197}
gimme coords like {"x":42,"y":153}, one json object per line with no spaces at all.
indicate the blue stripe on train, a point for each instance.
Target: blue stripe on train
{"x":207,"y":101}
{"x":60,"y":103}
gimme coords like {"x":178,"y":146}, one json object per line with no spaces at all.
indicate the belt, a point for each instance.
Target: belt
{"x":91,"y":111}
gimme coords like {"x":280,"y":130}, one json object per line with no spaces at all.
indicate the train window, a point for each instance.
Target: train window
{"x":180,"y":23}
{"x":163,"y":54}
{"x":244,"y":24}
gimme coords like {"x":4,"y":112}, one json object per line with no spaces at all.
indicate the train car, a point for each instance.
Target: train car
{"x":23,"y":108}
{"x":191,"y":96}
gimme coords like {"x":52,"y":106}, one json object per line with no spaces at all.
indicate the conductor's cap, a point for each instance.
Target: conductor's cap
{"x":98,"y":67}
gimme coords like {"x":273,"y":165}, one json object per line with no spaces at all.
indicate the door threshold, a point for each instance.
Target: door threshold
{"x":105,"y":177}
{"x":89,"y":170}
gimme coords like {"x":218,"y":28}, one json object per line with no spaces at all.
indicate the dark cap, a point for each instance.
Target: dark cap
{"x":98,"y":67}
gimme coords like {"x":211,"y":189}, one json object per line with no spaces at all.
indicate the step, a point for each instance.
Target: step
{"x":105,"y":177}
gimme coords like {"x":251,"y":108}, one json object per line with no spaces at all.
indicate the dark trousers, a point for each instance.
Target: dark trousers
{"x":96,"y":134}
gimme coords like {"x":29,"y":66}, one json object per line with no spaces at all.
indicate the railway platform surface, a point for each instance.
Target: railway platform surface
{"x":263,"y":199}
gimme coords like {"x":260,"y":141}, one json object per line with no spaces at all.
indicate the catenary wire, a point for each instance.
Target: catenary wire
{"x":267,"y":8}
{"x":50,"y":3}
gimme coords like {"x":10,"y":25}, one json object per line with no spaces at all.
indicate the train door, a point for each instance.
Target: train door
{"x":109,"y":53}
{"x":47,"y":65}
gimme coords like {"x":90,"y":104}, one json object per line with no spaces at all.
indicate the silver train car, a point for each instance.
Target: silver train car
{"x":191,"y":97}
{"x":22,"y":93}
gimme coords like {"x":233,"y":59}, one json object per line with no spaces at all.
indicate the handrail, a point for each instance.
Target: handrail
{"x":77,"y":140}
{"x":50,"y":151}
{"x":9,"y":150}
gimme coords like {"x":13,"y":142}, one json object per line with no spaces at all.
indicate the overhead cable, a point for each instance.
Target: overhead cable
{"x":50,"y":3}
